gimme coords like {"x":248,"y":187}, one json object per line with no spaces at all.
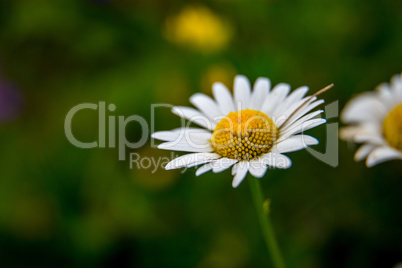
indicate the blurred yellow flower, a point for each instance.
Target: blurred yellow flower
{"x":199,"y":28}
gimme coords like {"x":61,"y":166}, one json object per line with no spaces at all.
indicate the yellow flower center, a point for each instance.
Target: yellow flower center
{"x":392,"y":128}
{"x":244,"y":135}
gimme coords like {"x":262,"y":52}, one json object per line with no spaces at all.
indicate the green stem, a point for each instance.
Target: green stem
{"x":265,"y":223}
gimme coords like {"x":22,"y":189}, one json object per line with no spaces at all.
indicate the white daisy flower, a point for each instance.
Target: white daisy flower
{"x":376,"y":119}
{"x":249,"y":131}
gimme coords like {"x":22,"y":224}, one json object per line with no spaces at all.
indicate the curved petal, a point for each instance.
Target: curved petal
{"x":276,"y":160}
{"x":223,"y":98}
{"x":194,"y":139}
{"x":178,"y":133}
{"x":365,"y":129}
{"x":386,"y":96}
{"x":242,"y":92}
{"x":196,"y":144}
{"x":301,"y":128}
{"x":369,"y":138}
{"x":348,"y":133}
{"x":294,"y":97}
{"x":364,"y":107}
{"x":396,"y":87}
{"x":294,"y":113}
{"x":222,"y":164}
{"x":363,"y":151}
{"x":295,"y":143}
{"x":241,"y":172}
{"x":275,"y":98}
{"x":257,"y":168}
{"x":207,"y":106}
{"x":302,"y":120}
{"x":194,"y":116}
{"x":203,"y":169}
{"x":382,"y":154}
{"x":190,"y":160}
{"x":234,"y":170}
{"x":260,"y":92}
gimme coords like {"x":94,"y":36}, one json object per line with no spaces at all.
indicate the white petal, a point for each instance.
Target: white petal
{"x":178,"y":133}
{"x":190,"y":160}
{"x":302,"y":120}
{"x":382,"y":154}
{"x":241,"y":172}
{"x":366,"y":106}
{"x":234,"y":170}
{"x":275,"y":98}
{"x":295,"y":143}
{"x":276,"y":160}
{"x":348,"y":133}
{"x":184,"y":146}
{"x":257,"y":168}
{"x":369,"y":138}
{"x":223,"y":98}
{"x":194,"y":116}
{"x":165,"y":135}
{"x":261,"y":89}
{"x":190,"y":137}
{"x":296,"y":114}
{"x":294,"y":97}
{"x":396,"y":86}
{"x":242,"y":92}
{"x":363,"y":151}
{"x":365,"y":129}
{"x":207,"y":106}
{"x":204,"y":159}
{"x":289,"y":114}
{"x":385,"y":95}
{"x":222,"y":164}
{"x":301,"y":128}
{"x":308,"y":107}
{"x":203,"y":169}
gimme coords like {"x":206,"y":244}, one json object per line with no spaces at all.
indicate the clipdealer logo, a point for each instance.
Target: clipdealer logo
{"x":122,"y":142}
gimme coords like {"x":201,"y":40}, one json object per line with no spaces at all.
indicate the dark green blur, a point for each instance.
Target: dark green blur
{"x":62,"y":206}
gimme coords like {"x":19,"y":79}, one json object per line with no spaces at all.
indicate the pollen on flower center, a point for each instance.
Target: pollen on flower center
{"x":244,"y":135}
{"x":392,"y":128}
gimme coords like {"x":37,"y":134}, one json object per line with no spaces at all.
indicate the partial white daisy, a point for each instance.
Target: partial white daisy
{"x":250,"y":130}
{"x":376,"y":123}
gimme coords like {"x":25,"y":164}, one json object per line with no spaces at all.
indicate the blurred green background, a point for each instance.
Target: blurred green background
{"x":61,"y":206}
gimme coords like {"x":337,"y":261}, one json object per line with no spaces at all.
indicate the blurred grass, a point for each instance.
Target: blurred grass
{"x":64,"y":206}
